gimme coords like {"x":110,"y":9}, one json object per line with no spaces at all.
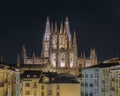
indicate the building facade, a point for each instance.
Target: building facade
{"x":90,"y":82}
{"x":30,"y":83}
{"x":59,"y":52}
{"x":96,"y":80}
{"x":115,"y":82}
{"x":35,"y":83}
{"x":9,"y":81}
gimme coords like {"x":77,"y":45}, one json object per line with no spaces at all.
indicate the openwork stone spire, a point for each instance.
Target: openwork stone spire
{"x":61,"y":28}
{"x":47,"y":29}
{"x":67,"y":28}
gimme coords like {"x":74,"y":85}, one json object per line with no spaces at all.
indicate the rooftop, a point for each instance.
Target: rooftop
{"x":103,"y":65}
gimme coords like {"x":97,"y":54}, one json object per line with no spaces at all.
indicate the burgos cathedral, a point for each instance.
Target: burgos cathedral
{"x":59,"y":52}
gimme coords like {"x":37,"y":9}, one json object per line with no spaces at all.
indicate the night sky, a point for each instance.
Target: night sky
{"x":97,"y":24}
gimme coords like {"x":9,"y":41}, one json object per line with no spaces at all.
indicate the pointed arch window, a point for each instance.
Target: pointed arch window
{"x":46,"y":46}
{"x":63,"y":60}
{"x":71,"y":60}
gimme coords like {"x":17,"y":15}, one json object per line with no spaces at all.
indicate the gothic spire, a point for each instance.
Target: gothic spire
{"x":52,"y":27}
{"x":18,"y":60}
{"x":91,"y":49}
{"x":55,"y":27}
{"x":47,"y":29}
{"x":74,"y":39}
{"x":23,"y":52}
{"x":92,"y":53}
{"x":81,"y":55}
{"x":75,"y":44}
{"x":84,"y":55}
{"x":61,"y":28}
{"x":67,"y":28}
{"x":65,"y":31}
{"x":33,"y":54}
{"x":1,"y":59}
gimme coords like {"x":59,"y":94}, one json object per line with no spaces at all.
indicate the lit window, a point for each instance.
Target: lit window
{"x":46,"y":54}
{"x":34,"y":76}
{"x":46,"y":47}
{"x":45,"y":79}
{"x":53,"y":59}
{"x":71,"y":60}
{"x":62,"y":60}
{"x":28,"y":75}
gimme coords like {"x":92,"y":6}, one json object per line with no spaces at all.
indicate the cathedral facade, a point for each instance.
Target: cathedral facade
{"x":59,"y":52}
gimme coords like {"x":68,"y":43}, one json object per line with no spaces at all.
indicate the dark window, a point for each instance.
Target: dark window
{"x":57,"y":87}
{"x":57,"y":94}
{"x":91,"y":85}
{"x":91,"y":76}
{"x":27,"y":92}
{"x":42,"y":93}
{"x":82,"y":84}
{"x":86,"y":76}
{"x":35,"y":85}
{"x":1,"y":84}
{"x":91,"y":94}
{"x":86,"y":94}
{"x":49,"y":92}
{"x":27,"y":84}
{"x":86,"y":84}
{"x":42,"y":86}
{"x":82,"y":94}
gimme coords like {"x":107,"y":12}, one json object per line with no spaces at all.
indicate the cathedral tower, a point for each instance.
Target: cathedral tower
{"x":46,"y":39}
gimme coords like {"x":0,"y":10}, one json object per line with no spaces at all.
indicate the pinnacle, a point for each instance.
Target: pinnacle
{"x":67,"y":18}
{"x":47,"y":18}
